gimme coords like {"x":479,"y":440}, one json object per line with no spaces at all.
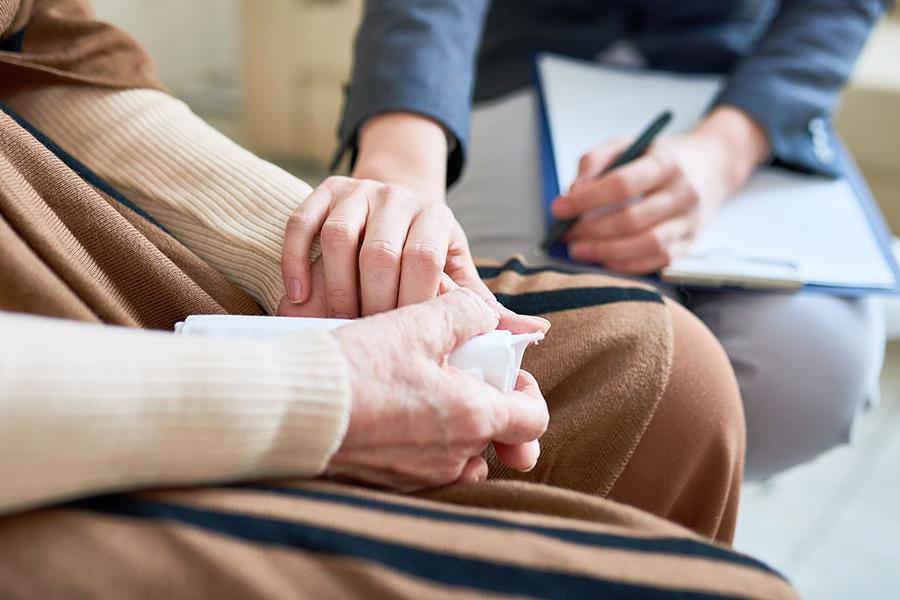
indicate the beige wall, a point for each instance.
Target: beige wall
{"x":195,"y":43}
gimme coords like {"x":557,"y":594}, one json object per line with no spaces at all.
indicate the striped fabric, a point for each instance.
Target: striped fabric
{"x":326,"y":540}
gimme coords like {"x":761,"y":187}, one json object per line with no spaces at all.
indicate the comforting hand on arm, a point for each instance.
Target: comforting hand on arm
{"x":639,"y":217}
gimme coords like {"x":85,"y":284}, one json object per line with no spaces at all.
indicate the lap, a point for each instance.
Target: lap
{"x":328,"y":540}
{"x":807,"y":365}
{"x":603,"y":368}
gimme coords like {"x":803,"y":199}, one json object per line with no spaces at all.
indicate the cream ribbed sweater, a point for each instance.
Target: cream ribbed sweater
{"x":86,"y":409}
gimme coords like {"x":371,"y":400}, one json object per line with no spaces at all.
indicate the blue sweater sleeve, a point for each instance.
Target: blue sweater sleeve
{"x":790,"y":84}
{"x":416,"y":56}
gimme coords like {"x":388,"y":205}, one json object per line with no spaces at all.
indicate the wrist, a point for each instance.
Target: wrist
{"x":404,"y":149}
{"x":739,"y":138}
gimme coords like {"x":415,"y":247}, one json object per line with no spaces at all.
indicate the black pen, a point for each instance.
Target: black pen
{"x":635,"y":151}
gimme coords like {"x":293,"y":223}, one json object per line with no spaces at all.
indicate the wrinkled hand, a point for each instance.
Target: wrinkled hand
{"x":638,"y":218}
{"x":383,"y":246}
{"x":417,"y":423}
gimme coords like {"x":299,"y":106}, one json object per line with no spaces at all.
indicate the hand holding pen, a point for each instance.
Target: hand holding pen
{"x":637,"y":217}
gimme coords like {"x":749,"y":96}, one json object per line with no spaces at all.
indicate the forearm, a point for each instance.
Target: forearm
{"x":404,"y":149}
{"x":225,"y":204}
{"x":86,"y":409}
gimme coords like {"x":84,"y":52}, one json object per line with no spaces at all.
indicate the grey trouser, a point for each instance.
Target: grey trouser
{"x":807,"y":363}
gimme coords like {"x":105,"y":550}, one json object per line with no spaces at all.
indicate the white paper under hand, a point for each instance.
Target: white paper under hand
{"x":494,"y":357}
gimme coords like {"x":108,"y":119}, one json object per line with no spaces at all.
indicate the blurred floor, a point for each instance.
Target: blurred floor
{"x":832,"y":526}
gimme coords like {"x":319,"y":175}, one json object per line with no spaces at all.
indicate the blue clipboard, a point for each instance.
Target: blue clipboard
{"x":551,"y":189}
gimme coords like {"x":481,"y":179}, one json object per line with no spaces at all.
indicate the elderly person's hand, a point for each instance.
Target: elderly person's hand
{"x":639,"y":217}
{"x":418,"y":423}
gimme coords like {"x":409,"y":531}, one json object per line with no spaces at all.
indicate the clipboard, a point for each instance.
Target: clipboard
{"x":750,"y":272}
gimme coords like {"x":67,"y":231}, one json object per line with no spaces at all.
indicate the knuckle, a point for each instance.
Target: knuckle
{"x":425,"y":255}
{"x":586,"y":162}
{"x":629,"y":220}
{"x":691,"y":195}
{"x":391,"y":193}
{"x":621,"y":186}
{"x":473,"y":421}
{"x":442,"y":215}
{"x":379,"y":254}
{"x":335,"y":181}
{"x":299,"y":220}
{"x":338,"y":295}
{"x":656,"y":242}
{"x":338,"y":232}
{"x":665,"y":160}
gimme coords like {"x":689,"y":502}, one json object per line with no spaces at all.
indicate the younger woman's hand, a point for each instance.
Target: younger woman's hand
{"x":638,"y":218}
{"x":383,"y":247}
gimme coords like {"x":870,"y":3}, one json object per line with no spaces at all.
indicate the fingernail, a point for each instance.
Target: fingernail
{"x":295,"y":291}
{"x":536,"y":450}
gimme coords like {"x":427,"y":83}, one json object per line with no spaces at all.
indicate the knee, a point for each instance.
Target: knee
{"x":807,"y":381}
{"x":704,"y":396}
{"x":688,"y":464}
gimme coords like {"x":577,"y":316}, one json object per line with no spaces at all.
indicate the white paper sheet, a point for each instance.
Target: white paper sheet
{"x":784,"y":227}
{"x":494,"y":357}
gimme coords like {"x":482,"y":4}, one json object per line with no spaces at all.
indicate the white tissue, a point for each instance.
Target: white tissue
{"x":494,"y":357}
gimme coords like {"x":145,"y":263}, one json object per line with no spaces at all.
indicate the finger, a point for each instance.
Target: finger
{"x":447,"y":284}
{"x":594,"y":162}
{"x":521,"y":416}
{"x":521,"y":457}
{"x":378,"y":477}
{"x":652,"y":264}
{"x":439,"y":326}
{"x":340,"y":247}
{"x":475,"y":470}
{"x":515,"y":323}
{"x":382,"y":248}
{"x":634,"y":218}
{"x":302,"y":227}
{"x":462,"y":269}
{"x":509,"y":320}
{"x":638,"y":178}
{"x":424,"y":257}
{"x":652,"y":242}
